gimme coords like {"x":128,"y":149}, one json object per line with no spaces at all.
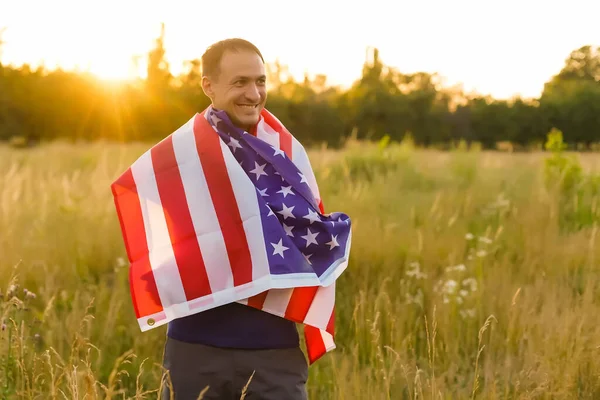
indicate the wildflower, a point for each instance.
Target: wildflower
{"x":485,"y":240}
{"x":469,"y":236}
{"x":121,"y":262}
{"x":459,"y":268}
{"x":415,"y":271}
{"x":470,"y":313}
{"x":416,"y":299}
{"x":450,"y":286}
{"x":471,"y":282}
{"x":30,"y":295}
{"x":463,"y":293}
{"x":481,"y":253}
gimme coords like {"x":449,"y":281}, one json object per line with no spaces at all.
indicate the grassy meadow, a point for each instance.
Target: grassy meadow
{"x":473,"y":274}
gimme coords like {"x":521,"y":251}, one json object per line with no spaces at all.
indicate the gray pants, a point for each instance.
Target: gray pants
{"x":279,"y":374}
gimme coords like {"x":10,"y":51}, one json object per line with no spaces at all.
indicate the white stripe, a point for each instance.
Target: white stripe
{"x":162,"y":258}
{"x":277,"y":301}
{"x":327,"y":340}
{"x":247,"y":203}
{"x":321,"y":307}
{"x":202,"y":210}
{"x":267,"y":134}
{"x":302,"y":162}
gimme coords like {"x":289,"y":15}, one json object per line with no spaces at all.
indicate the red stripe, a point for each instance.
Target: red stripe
{"x":331,"y":324}
{"x":179,"y":221}
{"x":258,"y":301}
{"x":223,"y":199}
{"x":314,"y":343}
{"x":285,"y":143}
{"x":142,"y":285}
{"x":300,"y":302}
{"x":285,"y":137}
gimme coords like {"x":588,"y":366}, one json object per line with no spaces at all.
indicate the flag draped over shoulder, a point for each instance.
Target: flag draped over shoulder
{"x":213,"y":215}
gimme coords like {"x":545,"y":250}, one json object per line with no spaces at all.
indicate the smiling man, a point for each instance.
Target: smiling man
{"x":235,"y":81}
{"x":223,"y":346}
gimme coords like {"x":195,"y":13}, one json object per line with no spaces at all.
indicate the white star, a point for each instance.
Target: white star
{"x":234,"y":144}
{"x":215,"y":119}
{"x":259,"y":170}
{"x":302,"y":178}
{"x":279,"y":248}
{"x":333,"y":242}
{"x":340,"y":220}
{"x":278,"y":152}
{"x":307,"y":256}
{"x":286,"y":212}
{"x":310,"y":237}
{"x":270,"y":211}
{"x":288,"y":230}
{"x":312,"y":216}
{"x":332,"y":223}
{"x":285,"y":190}
{"x":263,"y":192}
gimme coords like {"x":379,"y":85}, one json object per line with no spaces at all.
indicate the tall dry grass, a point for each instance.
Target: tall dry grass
{"x":470,"y":277}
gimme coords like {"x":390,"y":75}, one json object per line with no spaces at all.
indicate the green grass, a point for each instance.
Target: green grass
{"x":465,"y":281}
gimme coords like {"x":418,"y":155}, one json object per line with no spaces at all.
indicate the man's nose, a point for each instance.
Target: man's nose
{"x":253,"y":93}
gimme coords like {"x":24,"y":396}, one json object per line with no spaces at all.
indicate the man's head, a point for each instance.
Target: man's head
{"x":233,"y":77}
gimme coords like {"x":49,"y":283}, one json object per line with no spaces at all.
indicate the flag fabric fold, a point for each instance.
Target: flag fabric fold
{"x":212,"y":215}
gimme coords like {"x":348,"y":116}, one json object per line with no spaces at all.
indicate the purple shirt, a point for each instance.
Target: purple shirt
{"x":235,"y":326}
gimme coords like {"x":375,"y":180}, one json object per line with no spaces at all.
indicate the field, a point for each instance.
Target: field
{"x":473,"y":275}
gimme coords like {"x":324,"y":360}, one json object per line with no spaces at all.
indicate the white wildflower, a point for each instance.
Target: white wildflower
{"x":415,"y":271}
{"x":450,"y":286}
{"x":471,"y":283}
{"x":481,"y":253}
{"x":463,"y":293}
{"x":459,"y":268}
{"x":485,"y":240}
{"x":416,"y":299}
{"x":469,"y":236}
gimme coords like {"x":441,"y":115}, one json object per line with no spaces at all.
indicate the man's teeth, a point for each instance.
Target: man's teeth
{"x":247,"y":106}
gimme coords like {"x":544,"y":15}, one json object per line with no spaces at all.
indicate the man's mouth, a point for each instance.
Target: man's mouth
{"x":248,"y":106}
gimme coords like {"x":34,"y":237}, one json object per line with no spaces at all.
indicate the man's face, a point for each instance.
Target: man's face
{"x":240,"y":87}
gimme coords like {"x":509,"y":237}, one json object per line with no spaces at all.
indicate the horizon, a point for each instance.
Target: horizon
{"x":484,"y":50}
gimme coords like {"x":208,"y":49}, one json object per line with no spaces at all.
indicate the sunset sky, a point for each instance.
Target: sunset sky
{"x":500,"y":48}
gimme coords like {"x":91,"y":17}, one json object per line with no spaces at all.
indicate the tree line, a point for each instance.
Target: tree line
{"x":38,"y":105}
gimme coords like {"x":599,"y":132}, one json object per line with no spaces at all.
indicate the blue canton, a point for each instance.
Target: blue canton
{"x":298,"y":238}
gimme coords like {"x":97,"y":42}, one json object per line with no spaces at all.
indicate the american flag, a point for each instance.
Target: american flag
{"x":213,"y":214}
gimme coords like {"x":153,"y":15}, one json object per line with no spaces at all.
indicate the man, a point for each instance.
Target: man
{"x":221,"y":348}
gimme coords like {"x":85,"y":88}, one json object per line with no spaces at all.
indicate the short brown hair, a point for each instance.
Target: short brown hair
{"x":211,"y":59}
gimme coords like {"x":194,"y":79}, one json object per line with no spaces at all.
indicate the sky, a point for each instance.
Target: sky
{"x":499,"y":48}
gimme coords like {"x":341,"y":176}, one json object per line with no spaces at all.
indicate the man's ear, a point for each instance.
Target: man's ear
{"x":207,"y":87}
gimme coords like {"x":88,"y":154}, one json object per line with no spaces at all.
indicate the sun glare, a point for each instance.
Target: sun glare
{"x":111,"y":71}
